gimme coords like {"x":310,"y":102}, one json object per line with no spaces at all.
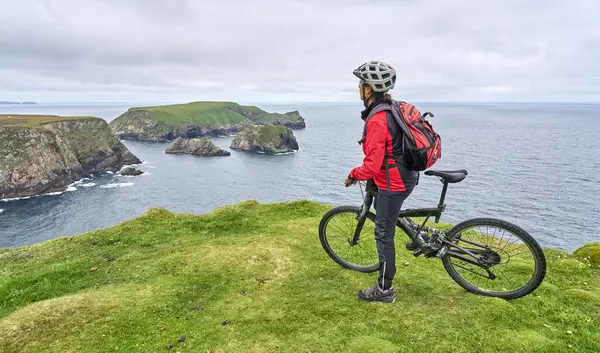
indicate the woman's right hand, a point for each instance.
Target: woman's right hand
{"x":349,"y":181}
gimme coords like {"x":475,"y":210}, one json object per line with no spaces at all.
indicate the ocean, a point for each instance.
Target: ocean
{"x":532,"y":164}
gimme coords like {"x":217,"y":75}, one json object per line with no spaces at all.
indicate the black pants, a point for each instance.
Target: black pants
{"x":387,"y":208}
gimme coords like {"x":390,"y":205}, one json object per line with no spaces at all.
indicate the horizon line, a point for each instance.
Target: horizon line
{"x":274,"y":102}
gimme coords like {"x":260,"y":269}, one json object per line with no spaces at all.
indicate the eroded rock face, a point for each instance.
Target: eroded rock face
{"x":47,"y":158}
{"x":197,"y":119}
{"x":269,"y":139}
{"x":195,"y":146}
{"x":142,"y":125}
{"x":292,"y":120}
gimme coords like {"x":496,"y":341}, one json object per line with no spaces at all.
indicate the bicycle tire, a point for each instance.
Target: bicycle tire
{"x":533,"y":246}
{"x":327,"y":217}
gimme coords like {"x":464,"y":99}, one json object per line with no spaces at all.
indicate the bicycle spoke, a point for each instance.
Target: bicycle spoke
{"x":341,"y":230}
{"x":505,"y":251}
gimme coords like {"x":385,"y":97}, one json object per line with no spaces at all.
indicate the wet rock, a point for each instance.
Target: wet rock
{"x":196,"y":147}
{"x":130,"y":171}
{"x":267,"y":139}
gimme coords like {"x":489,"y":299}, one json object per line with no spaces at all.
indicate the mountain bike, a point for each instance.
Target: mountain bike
{"x":485,"y":256}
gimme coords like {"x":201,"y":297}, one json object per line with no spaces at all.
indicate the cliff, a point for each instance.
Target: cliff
{"x":42,"y":154}
{"x":252,"y":277}
{"x":196,"y":146}
{"x":196,"y":119}
{"x":270,"y":139}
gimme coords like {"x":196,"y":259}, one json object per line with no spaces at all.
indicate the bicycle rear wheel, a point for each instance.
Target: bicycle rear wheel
{"x":336,"y":231}
{"x":515,"y":262}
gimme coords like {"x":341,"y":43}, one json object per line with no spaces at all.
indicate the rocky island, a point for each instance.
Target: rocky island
{"x":195,"y":146}
{"x":42,"y":154}
{"x":268,"y":139}
{"x":130,"y":171}
{"x":196,"y":119}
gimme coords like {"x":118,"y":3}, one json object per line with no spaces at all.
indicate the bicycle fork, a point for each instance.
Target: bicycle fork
{"x":364,"y":209}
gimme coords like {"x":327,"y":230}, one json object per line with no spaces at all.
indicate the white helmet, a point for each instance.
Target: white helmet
{"x":379,"y":75}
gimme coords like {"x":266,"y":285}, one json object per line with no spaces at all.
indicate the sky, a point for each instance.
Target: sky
{"x":296,"y":51}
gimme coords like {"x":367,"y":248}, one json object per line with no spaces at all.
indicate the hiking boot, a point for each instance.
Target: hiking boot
{"x":376,"y":294}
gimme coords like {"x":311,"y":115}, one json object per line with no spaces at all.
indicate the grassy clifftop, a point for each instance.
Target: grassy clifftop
{"x":195,"y":113}
{"x":254,"y":278}
{"x":35,"y":121}
{"x":212,"y":114}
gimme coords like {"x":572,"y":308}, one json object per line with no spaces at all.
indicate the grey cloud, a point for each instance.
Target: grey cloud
{"x":466,"y":50}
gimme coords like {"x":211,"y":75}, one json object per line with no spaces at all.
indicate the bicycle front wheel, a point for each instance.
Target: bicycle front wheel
{"x":511,"y":264}
{"x":336,"y":232}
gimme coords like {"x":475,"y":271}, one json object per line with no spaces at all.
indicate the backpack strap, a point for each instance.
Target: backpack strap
{"x":379,"y":108}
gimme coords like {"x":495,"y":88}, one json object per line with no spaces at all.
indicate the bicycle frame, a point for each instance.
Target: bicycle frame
{"x":412,"y":230}
{"x":404,"y":214}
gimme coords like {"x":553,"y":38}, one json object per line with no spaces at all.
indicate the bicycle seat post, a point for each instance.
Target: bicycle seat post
{"x":441,"y":205}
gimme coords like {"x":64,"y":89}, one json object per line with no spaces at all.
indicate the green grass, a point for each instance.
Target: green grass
{"x":589,"y":251}
{"x":268,"y":134}
{"x":36,"y":121}
{"x":195,"y":113}
{"x":254,"y":278}
{"x":213,"y":114}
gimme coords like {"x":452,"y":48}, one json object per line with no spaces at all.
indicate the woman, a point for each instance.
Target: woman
{"x":395,"y":183}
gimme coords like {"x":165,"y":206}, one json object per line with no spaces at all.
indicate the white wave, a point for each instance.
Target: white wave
{"x":88,"y":185}
{"x":75,"y":183}
{"x":28,"y":197}
{"x":150,"y":166}
{"x":116,"y":185}
{"x":17,"y":198}
{"x":284,"y":153}
{"x":71,"y":188}
{"x":53,"y":193}
{"x":1,"y":210}
{"x":109,"y":172}
{"x":133,"y":165}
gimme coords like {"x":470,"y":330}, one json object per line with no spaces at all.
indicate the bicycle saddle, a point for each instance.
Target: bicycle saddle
{"x":451,"y":176}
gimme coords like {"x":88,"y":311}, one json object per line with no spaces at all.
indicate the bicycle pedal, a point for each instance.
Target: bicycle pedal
{"x":417,"y":252}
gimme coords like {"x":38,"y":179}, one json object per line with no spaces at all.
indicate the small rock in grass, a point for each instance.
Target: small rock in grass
{"x":181,"y":339}
{"x":169,"y":346}
{"x":405,"y":263}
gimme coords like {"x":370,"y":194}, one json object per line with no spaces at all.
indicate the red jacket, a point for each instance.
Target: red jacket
{"x":374,"y":149}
